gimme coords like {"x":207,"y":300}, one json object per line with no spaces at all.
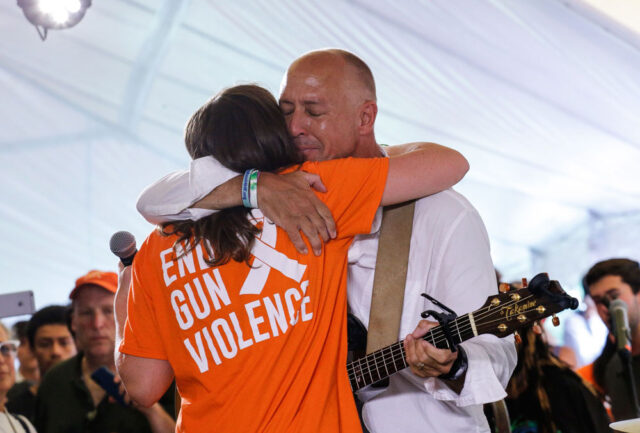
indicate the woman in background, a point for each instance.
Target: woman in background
{"x":546,"y":396}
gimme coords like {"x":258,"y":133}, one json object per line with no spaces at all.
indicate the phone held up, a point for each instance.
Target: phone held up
{"x":103,"y":377}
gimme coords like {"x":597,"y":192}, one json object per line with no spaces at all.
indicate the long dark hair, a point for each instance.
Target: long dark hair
{"x":600,"y":364}
{"x":242,"y":128}
{"x":527,"y":381}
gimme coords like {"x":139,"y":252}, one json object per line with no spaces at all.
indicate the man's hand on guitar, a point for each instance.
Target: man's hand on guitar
{"x":288,"y":201}
{"x":424,"y":359}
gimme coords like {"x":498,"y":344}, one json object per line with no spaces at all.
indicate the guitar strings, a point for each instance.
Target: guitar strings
{"x":437,"y":336}
{"x":371,"y":361}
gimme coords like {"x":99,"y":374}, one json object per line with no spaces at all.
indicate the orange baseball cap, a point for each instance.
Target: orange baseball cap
{"x":106,"y":280}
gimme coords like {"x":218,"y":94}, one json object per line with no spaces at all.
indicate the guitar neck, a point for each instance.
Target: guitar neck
{"x":501,"y":315}
{"x":384,"y":362}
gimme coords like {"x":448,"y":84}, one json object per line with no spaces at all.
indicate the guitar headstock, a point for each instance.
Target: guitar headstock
{"x":506,"y":312}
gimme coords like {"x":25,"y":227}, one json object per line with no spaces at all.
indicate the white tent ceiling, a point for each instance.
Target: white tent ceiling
{"x":543,"y":97}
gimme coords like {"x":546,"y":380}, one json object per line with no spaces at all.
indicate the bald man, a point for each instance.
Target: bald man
{"x":328,"y":98}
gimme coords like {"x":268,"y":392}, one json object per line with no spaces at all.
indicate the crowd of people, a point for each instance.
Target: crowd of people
{"x":239,"y":298}
{"x":66,"y":344}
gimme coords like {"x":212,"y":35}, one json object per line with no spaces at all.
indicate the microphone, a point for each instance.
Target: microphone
{"x":123,"y":245}
{"x":620,"y":324}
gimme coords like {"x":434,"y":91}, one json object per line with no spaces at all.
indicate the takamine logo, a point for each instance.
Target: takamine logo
{"x":510,"y":311}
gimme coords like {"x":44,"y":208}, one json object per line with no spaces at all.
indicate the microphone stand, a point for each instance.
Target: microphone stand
{"x":625,"y":357}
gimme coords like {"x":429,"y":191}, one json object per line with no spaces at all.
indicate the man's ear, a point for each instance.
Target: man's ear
{"x":368,"y":113}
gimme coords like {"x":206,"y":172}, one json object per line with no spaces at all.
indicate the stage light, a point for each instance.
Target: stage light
{"x":53,"y":14}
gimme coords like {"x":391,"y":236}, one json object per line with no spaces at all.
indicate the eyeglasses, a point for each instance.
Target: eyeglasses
{"x":8,"y":348}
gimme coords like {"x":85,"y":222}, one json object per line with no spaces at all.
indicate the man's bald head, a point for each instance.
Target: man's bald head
{"x":345,"y":68}
{"x":328,"y":98}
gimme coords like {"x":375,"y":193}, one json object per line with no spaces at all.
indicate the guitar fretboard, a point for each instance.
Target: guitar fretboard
{"x":391,"y":359}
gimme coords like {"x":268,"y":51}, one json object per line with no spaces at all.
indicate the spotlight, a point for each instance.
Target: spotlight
{"x":53,"y":14}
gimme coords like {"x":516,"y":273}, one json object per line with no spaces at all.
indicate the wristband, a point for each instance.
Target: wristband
{"x":253,"y":188}
{"x":245,"y":188}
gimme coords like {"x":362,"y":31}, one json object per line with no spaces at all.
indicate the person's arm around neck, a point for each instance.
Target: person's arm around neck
{"x":208,"y":185}
{"x":171,"y":198}
{"x":288,"y":200}
{"x":415,"y":170}
{"x":421,"y":169}
{"x":224,"y":196}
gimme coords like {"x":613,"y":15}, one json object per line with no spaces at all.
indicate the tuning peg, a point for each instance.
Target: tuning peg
{"x":537,"y":327}
{"x":524,"y":283}
{"x":504,"y":287}
{"x":555,"y":320}
{"x":517,"y":337}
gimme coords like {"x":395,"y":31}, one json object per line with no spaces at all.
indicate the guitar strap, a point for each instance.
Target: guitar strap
{"x":390,"y":275}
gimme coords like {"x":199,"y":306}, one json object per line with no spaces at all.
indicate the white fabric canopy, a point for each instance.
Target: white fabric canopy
{"x":543,"y":97}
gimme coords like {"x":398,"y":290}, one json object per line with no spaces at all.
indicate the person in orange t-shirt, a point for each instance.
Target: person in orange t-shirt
{"x":254,"y":331}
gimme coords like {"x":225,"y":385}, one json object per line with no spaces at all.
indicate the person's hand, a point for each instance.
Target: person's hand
{"x":125,"y":395}
{"x":424,"y":359}
{"x":122,"y":391}
{"x":288,"y":201}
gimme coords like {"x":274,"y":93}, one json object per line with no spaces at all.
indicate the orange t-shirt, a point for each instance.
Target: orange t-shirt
{"x":259,"y":349}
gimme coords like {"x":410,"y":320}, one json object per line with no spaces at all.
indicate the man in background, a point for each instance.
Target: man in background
{"x":608,"y":280}
{"x":68,"y":399}
{"x":49,"y":340}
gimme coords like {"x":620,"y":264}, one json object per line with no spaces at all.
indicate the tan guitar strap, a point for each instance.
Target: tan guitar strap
{"x":390,"y":276}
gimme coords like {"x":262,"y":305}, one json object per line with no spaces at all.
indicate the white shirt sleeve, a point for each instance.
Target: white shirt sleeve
{"x":461,"y":276}
{"x":170,"y":198}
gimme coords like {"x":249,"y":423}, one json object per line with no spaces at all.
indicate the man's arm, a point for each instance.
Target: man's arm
{"x":288,"y":200}
{"x":462,"y":277}
{"x":171,"y":198}
{"x":421,"y":169}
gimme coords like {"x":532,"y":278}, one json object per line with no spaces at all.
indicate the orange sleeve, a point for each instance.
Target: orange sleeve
{"x":586,"y":372}
{"x":142,"y":335}
{"x":355,"y":187}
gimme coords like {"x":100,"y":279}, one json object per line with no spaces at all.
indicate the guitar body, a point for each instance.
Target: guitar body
{"x":356,"y":338}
